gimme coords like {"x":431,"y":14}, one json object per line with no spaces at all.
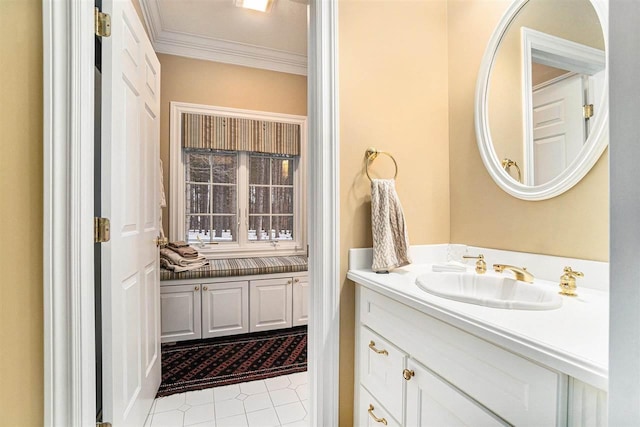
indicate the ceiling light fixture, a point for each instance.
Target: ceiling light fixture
{"x":259,"y":5}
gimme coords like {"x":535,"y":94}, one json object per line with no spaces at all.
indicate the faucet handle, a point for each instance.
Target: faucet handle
{"x":568,"y":282}
{"x":481,"y":265}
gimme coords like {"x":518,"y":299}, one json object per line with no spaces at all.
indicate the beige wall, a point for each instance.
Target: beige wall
{"x":21,"y":316}
{"x":575,"y":224}
{"x":223,"y":85}
{"x":393,"y":96}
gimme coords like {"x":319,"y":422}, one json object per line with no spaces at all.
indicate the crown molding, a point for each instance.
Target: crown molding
{"x":217,"y":50}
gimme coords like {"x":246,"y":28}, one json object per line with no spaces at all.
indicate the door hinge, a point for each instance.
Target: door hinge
{"x":101,"y":424}
{"x":101,"y":232}
{"x":307,"y":251}
{"x":103,"y":23}
{"x":588,"y":111}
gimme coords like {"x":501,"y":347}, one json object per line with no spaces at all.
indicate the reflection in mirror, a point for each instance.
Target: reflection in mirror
{"x":547,"y":70}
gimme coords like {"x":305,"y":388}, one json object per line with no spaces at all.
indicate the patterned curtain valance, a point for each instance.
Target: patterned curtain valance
{"x":234,"y":134}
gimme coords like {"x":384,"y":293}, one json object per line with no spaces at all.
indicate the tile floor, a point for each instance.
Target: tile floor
{"x":274,"y":402}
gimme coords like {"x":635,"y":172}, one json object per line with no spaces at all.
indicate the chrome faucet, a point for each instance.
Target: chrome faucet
{"x":520,"y":273}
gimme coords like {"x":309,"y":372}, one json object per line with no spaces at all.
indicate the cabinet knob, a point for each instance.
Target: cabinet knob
{"x":296,"y":280}
{"x":407,"y":374}
{"x":288,"y":282}
{"x":197,"y":288}
{"x":376,"y":419}
{"x":204,"y":288}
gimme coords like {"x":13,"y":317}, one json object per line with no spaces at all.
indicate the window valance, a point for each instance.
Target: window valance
{"x":209,"y":132}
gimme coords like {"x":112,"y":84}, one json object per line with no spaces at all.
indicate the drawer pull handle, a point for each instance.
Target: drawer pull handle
{"x":407,"y":374}
{"x":372,"y":346}
{"x":204,"y":288}
{"x":376,"y":419}
{"x":197,"y":288}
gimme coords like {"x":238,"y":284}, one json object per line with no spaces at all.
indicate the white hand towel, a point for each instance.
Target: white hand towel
{"x":390,"y":236}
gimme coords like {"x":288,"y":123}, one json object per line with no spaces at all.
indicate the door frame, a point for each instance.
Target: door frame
{"x":69,"y":338}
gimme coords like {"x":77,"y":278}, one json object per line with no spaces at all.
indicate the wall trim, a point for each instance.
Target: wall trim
{"x":69,"y":352}
{"x":69,"y":378}
{"x":218,"y":50}
{"x":323,"y":211}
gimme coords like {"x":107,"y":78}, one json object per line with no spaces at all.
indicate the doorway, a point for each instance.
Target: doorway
{"x":69,"y":303}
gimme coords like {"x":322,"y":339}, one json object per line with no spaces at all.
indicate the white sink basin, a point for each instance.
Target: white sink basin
{"x":491,"y":290}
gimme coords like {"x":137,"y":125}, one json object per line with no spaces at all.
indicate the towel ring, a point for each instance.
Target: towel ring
{"x":507,"y":163}
{"x":371,"y":155}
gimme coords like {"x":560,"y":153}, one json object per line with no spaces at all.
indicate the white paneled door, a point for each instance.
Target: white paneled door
{"x":130,"y":190}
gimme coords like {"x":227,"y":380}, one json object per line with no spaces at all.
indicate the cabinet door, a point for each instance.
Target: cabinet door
{"x":434,"y":402}
{"x":180,"y":313}
{"x":225,"y":309}
{"x":381,"y":366}
{"x":270,"y":304}
{"x":300,"y":300}
{"x":370,"y":413}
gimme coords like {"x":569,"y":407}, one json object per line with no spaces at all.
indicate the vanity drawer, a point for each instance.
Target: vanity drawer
{"x":370,"y":413}
{"x":381,"y":365}
{"x":521,"y":392}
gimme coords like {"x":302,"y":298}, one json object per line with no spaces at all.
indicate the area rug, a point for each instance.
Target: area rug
{"x":200,"y":364}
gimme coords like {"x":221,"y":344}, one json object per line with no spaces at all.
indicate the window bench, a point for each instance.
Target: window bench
{"x":241,"y":267}
{"x":234,"y":296}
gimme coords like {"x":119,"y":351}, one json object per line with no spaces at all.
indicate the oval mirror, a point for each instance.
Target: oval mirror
{"x":541,"y":111}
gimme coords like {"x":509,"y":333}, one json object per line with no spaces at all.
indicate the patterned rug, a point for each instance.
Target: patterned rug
{"x":199,"y":364}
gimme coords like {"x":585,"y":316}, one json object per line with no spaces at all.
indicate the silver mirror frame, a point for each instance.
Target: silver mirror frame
{"x":593,"y":148}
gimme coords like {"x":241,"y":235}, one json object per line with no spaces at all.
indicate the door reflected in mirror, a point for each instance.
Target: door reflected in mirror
{"x":545,"y":107}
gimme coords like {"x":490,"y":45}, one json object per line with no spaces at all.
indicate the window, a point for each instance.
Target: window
{"x":237,"y":202}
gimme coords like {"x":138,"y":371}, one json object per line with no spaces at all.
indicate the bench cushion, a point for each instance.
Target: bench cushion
{"x":241,"y":267}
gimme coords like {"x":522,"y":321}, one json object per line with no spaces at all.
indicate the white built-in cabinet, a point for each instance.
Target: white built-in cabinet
{"x":216,"y":307}
{"x":415,"y":370}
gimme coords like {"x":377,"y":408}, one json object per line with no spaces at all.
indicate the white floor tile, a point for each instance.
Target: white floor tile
{"x":253,"y":387}
{"x":228,"y":408}
{"x":257,"y":402}
{"x":291,"y":412}
{"x":299,"y":378}
{"x":169,"y":403}
{"x":236,"y":421}
{"x":303,"y":391}
{"x":199,"y":397}
{"x":284,"y":396}
{"x":226,"y":392}
{"x":173,"y":418}
{"x":199,"y":414}
{"x":305,"y":403}
{"x":263,"y":418}
{"x":205,"y":424}
{"x":147,"y":422}
{"x":303,"y":423}
{"x":277,"y":383}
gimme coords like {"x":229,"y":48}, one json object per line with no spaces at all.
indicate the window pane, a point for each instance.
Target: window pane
{"x":224,"y":228}
{"x":259,"y":200}
{"x":258,"y":226}
{"x":224,"y":168}
{"x":282,"y":200}
{"x":197,"y":167}
{"x":282,"y":171}
{"x":198,"y":226}
{"x":259,"y":170}
{"x":197,"y":198}
{"x":224,"y":199}
{"x":283,"y":226}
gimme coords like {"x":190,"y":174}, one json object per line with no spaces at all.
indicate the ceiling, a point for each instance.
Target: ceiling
{"x":217,"y":30}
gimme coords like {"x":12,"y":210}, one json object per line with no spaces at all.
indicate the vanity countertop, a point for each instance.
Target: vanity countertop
{"x":572,"y":339}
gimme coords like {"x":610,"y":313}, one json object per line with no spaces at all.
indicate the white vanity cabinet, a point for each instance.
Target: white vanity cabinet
{"x":216,"y":307}
{"x":425,"y":372}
